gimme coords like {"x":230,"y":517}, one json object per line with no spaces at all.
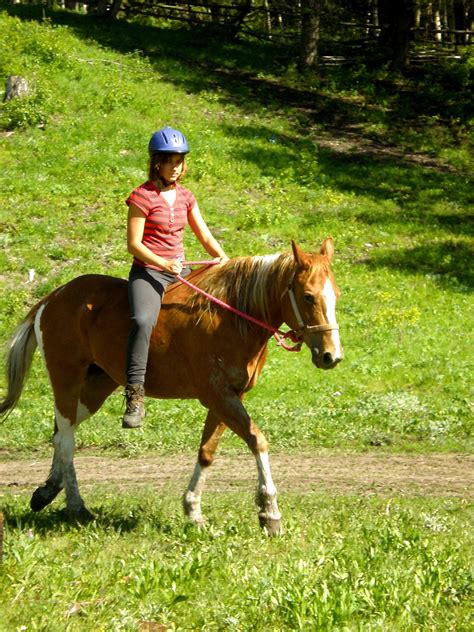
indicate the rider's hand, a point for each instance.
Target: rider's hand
{"x":173,"y":266}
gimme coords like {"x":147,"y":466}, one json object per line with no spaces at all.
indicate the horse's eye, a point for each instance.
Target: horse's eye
{"x":309,"y":298}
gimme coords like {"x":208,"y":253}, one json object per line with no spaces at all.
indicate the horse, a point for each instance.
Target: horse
{"x":197,"y":351}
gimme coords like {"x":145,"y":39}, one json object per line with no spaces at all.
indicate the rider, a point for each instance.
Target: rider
{"x":158,"y":211}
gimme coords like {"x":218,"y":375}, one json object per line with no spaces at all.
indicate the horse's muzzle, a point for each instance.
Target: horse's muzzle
{"x":325,"y":359}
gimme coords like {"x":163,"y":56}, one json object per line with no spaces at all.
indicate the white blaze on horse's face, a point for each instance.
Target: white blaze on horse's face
{"x":330,"y":298}
{"x":325,"y":344}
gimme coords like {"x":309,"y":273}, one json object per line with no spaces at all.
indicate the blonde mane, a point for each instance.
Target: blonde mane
{"x":253,"y":285}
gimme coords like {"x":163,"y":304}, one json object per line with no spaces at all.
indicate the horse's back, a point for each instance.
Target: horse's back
{"x":87,"y":322}
{"x":91,"y":291}
{"x":92,"y":283}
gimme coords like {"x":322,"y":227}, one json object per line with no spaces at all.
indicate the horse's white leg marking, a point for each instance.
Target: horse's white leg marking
{"x":55,"y":477}
{"x":192,"y":498}
{"x":266,"y":492}
{"x":330,"y":300}
{"x":64,"y":443}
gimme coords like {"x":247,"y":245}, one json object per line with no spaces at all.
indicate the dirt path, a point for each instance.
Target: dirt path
{"x":433,"y":475}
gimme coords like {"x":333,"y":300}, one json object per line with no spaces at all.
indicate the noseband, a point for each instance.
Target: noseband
{"x":303,"y":327}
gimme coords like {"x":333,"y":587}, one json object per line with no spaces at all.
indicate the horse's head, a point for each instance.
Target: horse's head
{"x":311,"y":306}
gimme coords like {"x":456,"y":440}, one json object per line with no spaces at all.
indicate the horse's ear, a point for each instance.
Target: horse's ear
{"x":298,"y":254}
{"x":327,"y":248}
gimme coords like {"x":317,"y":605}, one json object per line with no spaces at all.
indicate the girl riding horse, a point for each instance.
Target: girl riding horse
{"x":158,"y":211}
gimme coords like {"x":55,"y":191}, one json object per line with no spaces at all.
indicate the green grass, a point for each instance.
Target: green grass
{"x":343,"y":564}
{"x":401,"y":228}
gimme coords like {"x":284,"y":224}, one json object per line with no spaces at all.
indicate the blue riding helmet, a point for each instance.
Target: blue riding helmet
{"x":168,"y":141}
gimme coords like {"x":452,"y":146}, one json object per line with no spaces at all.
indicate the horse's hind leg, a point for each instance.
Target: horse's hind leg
{"x":96,"y":387}
{"x":62,"y":473}
{"x":212,"y":432}
{"x":46,"y":493}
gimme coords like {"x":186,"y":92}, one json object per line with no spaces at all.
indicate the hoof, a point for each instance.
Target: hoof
{"x":135,"y":422}
{"x":197,"y":522}
{"x":42,"y":497}
{"x":82,"y":515}
{"x":271,"y":526}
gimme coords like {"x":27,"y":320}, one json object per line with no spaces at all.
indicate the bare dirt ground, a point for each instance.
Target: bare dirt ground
{"x":433,"y":475}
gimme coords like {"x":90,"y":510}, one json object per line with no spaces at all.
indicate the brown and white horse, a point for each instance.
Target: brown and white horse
{"x":197,"y":351}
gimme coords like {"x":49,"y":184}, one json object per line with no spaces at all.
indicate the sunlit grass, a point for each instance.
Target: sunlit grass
{"x":394,"y":564}
{"x":403,"y":246}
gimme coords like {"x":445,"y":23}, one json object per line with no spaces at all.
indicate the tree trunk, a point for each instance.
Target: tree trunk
{"x":309,"y":37}
{"x":268,"y":19}
{"x":372,"y":18}
{"x":460,"y":11}
{"x":438,"y":25}
{"x":275,"y":16}
{"x":396,"y":18}
{"x":101,"y":9}
{"x":15,"y":87}
{"x":116,"y":6}
{"x":214,"y":11}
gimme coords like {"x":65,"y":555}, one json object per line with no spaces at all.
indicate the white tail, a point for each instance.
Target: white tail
{"x":20,"y":356}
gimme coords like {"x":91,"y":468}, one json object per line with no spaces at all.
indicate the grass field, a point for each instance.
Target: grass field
{"x":384,"y":165}
{"x":358,"y":564}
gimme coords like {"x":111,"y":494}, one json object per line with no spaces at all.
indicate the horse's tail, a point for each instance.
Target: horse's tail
{"x":20,"y":355}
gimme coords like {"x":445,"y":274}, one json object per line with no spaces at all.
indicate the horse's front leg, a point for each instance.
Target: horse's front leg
{"x":237,"y":419}
{"x":266,"y":498}
{"x":212,"y":432}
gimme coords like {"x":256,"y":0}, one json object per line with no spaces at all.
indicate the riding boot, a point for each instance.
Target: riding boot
{"x":135,"y":411}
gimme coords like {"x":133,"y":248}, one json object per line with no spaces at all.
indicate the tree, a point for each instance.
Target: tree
{"x":309,"y":34}
{"x":115,"y":8}
{"x":396,"y":18}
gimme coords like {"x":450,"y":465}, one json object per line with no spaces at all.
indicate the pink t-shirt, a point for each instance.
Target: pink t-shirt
{"x":164,"y":223}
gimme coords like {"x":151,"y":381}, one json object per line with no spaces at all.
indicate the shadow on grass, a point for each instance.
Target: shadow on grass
{"x":421,"y":195}
{"x":19,"y":517}
{"x":206,"y":59}
{"x":331,"y":146}
{"x":456,"y":223}
{"x":447,"y":262}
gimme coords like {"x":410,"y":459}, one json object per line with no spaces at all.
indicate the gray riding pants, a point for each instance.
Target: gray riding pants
{"x":146,"y":288}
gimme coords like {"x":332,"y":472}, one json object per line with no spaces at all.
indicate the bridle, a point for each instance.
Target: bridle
{"x":303,"y":327}
{"x":280,"y":336}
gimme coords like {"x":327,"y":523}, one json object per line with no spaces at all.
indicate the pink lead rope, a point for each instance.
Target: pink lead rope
{"x":279,"y":335}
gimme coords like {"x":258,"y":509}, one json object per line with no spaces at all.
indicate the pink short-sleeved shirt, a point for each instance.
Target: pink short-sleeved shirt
{"x":164,"y":224}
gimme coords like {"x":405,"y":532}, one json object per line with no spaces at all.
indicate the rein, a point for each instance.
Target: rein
{"x":279,"y":335}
